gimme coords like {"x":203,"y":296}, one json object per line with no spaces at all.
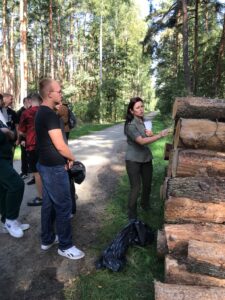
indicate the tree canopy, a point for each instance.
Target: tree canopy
{"x":93,"y":47}
{"x":103,"y":53}
{"x":186,"y":40}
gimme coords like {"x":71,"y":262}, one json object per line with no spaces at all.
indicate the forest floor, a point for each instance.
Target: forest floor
{"x":26,"y":271}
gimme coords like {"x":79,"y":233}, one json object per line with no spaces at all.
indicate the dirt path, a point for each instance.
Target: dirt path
{"x":26,"y":272}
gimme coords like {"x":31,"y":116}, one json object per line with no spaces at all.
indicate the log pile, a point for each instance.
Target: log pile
{"x":192,"y":241}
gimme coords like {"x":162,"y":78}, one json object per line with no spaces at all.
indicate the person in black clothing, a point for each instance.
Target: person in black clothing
{"x":10,"y":117}
{"x":55,"y":158}
{"x":9,"y":114}
{"x":24,"y":162}
{"x":11,"y":187}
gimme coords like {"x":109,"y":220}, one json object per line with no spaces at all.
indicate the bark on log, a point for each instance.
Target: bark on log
{"x":199,"y":108}
{"x":162,"y":248}
{"x":167,"y":149}
{"x":183,"y":210}
{"x":192,"y":163}
{"x":200,"y":188}
{"x":206,"y":258}
{"x":165,"y":291}
{"x":200,"y":134}
{"x":177,"y":272}
{"x":177,"y":236}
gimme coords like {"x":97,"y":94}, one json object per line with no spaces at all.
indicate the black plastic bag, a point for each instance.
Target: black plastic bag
{"x":135,"y":233}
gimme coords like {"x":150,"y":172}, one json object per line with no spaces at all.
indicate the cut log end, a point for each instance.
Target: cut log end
{"x":164,"y":291}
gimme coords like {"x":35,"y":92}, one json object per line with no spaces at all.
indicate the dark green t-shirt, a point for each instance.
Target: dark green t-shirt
{"x":135,"y":151}
{"x":5,"y":147}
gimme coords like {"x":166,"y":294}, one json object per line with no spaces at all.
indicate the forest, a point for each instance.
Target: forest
{"x":104,"y":52}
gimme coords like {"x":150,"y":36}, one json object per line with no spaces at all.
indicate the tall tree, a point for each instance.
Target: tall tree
{"x":51,"y":39}
{"x":23,"y":50}
{"x":195,"y":67}
{"x":220,"y":57}
{"x":5,"y":74}
{"x":187,"y":76}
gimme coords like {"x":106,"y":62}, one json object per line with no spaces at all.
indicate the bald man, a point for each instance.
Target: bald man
{"x":55,"y":158}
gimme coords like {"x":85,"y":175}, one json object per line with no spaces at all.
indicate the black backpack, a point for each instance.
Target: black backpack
{"x":72,"y":121}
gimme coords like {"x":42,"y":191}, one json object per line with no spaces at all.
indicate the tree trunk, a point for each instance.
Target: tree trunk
{"x":219,"y":61}
{"x":200,"y":134}
{"x":42,"y":60}
{"x":177,"y":236}
{"x":51,"y":40}
{"x":195,"y":66}
{"x":198,"y":108}
{"x":206,"y":258}
{"x":11,"y":58}
{"x":71,"y":47}
{"x":183,"y":210}
{"x":193,"y":163}
{"x":187,"y":77}
{"x":23,"y":50}
{"x":176,"y":272}
{"x":199,"y":188}
{"x":5,"y":75}
{"x":165,"y":291}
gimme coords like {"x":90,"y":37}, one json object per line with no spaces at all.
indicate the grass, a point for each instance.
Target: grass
{"x":135,"y":281}
{"x":87,"y":128}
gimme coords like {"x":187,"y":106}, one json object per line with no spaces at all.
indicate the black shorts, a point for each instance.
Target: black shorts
{"x":32,"y":158}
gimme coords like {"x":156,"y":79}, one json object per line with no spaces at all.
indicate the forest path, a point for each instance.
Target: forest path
{"x":27,"y":272}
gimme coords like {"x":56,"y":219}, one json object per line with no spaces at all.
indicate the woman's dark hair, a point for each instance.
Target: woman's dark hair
{"x":129,"y":116}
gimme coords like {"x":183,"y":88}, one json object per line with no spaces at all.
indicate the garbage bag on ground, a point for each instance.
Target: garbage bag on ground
{"x":135,"y":233}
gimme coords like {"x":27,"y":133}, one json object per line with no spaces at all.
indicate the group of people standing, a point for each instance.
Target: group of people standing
{"x":39,"y":129}
{"x":49,"y":158}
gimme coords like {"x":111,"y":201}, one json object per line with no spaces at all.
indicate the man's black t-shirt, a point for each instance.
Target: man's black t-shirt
{"x":46,"y":119}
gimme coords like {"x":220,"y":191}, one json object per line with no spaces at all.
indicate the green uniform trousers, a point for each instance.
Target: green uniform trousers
{"x":11,"y":191}
{"x":140,"y":178}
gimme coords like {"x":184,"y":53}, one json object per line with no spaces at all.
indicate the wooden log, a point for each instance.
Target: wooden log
{"x":206,"y":258}
{"x":177,"y":272}
{"x":167,"y":149}
{"x":169,"y":167}
{"x":165,"y":188}
{"x":165,"y":291}
{"x":192,"y":163}
{"x":183,"y":210}
{"x":162,"y":248}
{"x":198,"y":108}
{"x":177,"y":236}
{"x":200,"y":134}
{"x":201,"y":188}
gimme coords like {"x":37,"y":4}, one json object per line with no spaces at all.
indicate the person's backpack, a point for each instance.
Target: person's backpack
{"x":72,"y":121}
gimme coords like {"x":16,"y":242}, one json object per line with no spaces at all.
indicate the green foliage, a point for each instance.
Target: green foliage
{"x":164,"y":42}
{"x":135,"y":281}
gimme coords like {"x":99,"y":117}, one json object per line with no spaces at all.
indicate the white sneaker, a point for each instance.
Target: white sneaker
{"x":13,"y":228}
{"x":72,"y":253}
{"x":22,"y":226}
{"x":46,"y":247}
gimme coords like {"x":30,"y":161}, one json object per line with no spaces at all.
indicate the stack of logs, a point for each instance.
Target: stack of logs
{"x":193,"y":238}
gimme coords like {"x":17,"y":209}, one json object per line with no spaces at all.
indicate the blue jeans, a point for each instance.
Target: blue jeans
{"x":56,"y":206}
